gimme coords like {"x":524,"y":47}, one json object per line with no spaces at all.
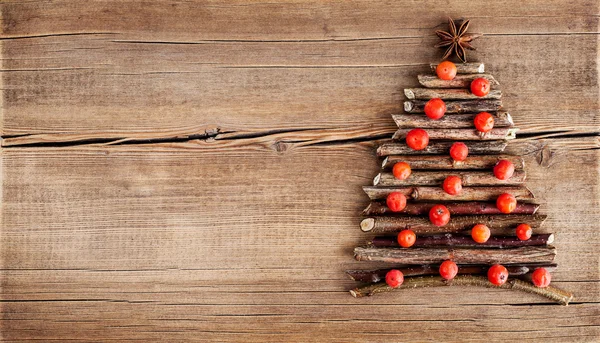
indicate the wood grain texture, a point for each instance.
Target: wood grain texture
{"x":236,"y":214}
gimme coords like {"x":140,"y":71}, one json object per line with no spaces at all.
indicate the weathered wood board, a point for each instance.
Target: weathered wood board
{"x":192,"y":171}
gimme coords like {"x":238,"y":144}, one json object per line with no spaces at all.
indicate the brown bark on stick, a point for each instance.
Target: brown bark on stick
{"x":451,"y":121}
{"x":459,"y":106}
{"x":459,"y":81}
{"x":520,"y":255}
{"x":448,"y":94}
{"x":436,"y":178}
{"x":422,"y":225}
{"x":446,"y":162}
{"x":465,"y":68}
{"x":433,"y":269}
{"x":500,"y":133}
{"x":456,"y":208}
{"x":464,"y":241}
{"x":438,"y":148}
{"x":422,"y":193}
{"x":558,"y":295}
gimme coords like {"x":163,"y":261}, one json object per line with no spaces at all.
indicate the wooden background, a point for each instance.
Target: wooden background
{"x":191,"y":171}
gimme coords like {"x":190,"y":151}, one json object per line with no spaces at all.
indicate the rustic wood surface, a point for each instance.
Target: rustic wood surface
{"x":191,"y":171}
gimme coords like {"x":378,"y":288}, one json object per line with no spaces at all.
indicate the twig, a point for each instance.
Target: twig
{"x":465,"y":68}
{"x":433,"y":269}
{"x":463,"y":241}
{"x":499,"y":224}
{"x":455,"y":208}
{"x":437,"y":193}
{"x":520,"y":255}
{"x":459,"y":81}
{"x":446,"y":162}
{"x":460,"y":106}
{"x":451,"y":121}
{"x":558,"y":295}
{"x":501,"y":133}
{"x":441,"y":147}
{"x":448,"y":94}
{"x":436,"y":178}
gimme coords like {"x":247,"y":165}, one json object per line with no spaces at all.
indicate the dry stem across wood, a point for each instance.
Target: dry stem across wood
{"x":520,"y":255}
{"x":460,"y":106}
{"x":441,"y":147}
{"x":446,"y":162}
{"x":465,"y":68}
{"x":450,"y":121}
{"x":436,"y":178}
{"x":500,"y":133}
{"x":465,"y":241}
{"x":423,"y":193}
{"x":448,"y":94}
{"x":555,"y":294}
{"x":459,"y":81}
{"x":456,"y":208}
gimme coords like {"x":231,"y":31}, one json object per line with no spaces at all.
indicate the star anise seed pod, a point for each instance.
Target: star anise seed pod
{"x":456,"y":40}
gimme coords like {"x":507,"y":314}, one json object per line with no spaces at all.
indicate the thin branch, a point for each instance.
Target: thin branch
{"x":436,"y":178}
{"x":558,"y":295}
{"x":446,"y":162}
{"x":448,"y":94}
{"x":464,"y":241}
{"x":456,"y":208}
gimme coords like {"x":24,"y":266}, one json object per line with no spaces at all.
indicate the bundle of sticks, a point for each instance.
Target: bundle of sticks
{"x":474,"y":205}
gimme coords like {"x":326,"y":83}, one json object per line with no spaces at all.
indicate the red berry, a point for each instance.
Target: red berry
{"x":497,"y":274}
{"x":396,"y":201}
{"x":448,"y":270}
{"x":446,"y":70}
{"x":480,"y":86}
{"x":504,"y":169}
{"x":480,"y":233}
{"x":435,"y":108}
{"x":452,"y":185}
{"x":459,"y":151}
{"x":401,"y":170}
{"x":406,"y":238}
{"x":484,"y":122}
{"x":417,"y":139}
{"x":506,"y":203}
{"x":394,"y":278}
{"x":439,"y":215}
{"x":541,"y":277}
{"x":524,"y":232}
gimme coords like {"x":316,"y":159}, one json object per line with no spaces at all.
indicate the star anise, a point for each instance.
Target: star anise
{"x":456,"y":40}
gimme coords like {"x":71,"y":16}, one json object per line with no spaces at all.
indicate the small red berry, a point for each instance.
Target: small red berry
{"x":497,"y":274}
{"x":406,"y":238}
{"x":524,"y":232}
{"x":480,"y":86}
{"x":446,"y":70}
{"x":459,"y":151}
{"x":480,"y":233}
{"x":396,"y":201}
{"x":394,"y":278}
{"x":452,"y":185}
{"x":504,"y":169}
{"x":435,"y":108}
{"x":484,"y":122}
{"x":541,"y":277}
{"x":417,"y":139}
{"x":448,"y":270}
{"x":439,"y":215}
{"x":506,"y":203}
{"x":401,"y":170}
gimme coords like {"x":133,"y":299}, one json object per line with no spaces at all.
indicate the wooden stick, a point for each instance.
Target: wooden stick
{"x":456,"y":208}
{"x":433,"y":269}
{"x":465,"y":68}
{"x":437,"y":148}
{"x":437,"y":193}
{"x":465,"y":242}
{"x":520,"y":255}
{"x":459,"y":81}
{"x":558,"y":295}
{"x":422,"y":225}
{"x":436,"y":178}
{"x":499,"y":133}
{"x":446,"y":162}
{"x":461,"y":106}
{"x":448,"y":94}
{"x":451,"y":121}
